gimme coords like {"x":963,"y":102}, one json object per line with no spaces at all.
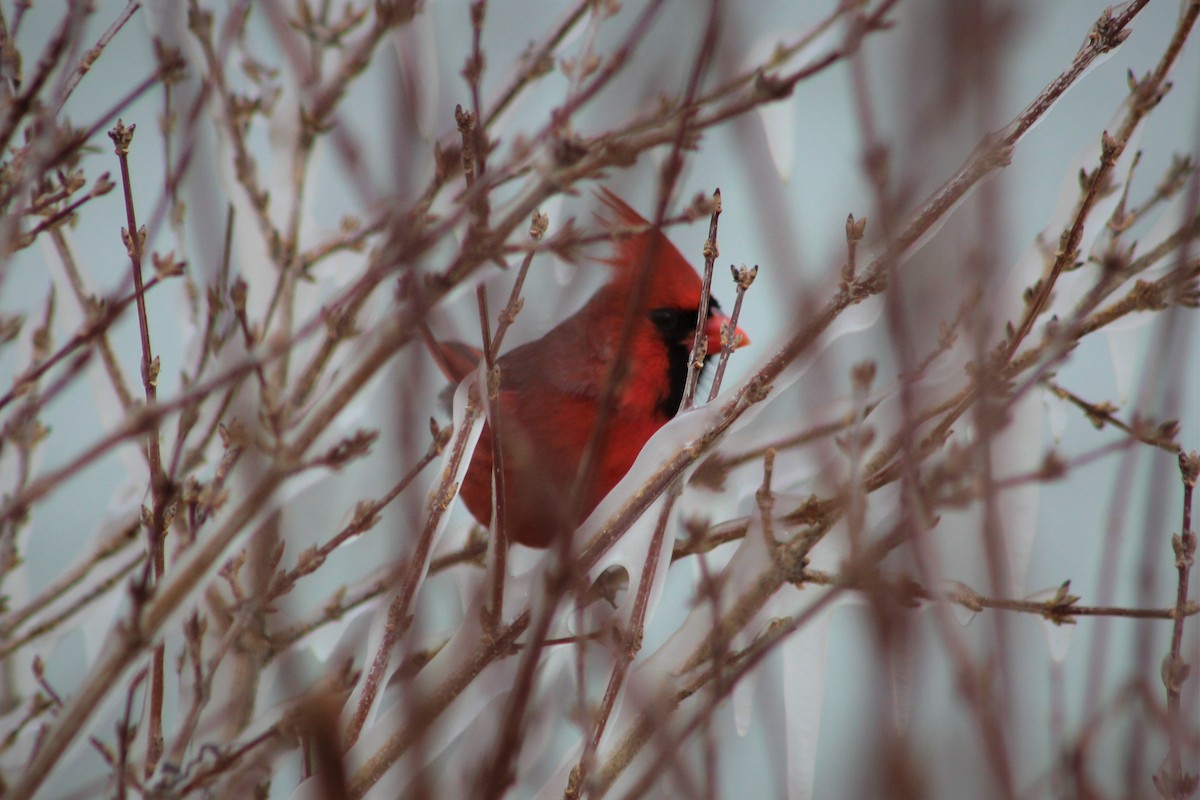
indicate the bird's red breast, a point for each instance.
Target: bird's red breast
{"x":550,"y":389}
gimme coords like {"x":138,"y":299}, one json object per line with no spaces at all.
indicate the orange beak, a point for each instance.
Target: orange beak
{"x":712,"y":330}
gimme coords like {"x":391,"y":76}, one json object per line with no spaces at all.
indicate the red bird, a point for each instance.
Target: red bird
{"x":550,"y":388}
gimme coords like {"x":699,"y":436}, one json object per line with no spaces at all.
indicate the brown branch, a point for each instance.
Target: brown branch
{"x":11,"y":621}
{"x":125,"y":734}
{"x":69,"y":29}
{"x":628,"y":645}
{"x":84,"y":600}
{"x":124,"y":650}
{"x":1104,"y":414}
{"x":1171,"y":781}
{"x":399,"y":611}
{"x":1107,"y":33}
{"x":96,"y":330}
{"x":536,"y":61}
{"x":427,"y":709}
{"x":135,"y":239}
{"x":699,"y":341}
{"x":743,"y":277}
{"x":93,"y":54}
{"x":108,"y":313}
{"x":102,"y":187}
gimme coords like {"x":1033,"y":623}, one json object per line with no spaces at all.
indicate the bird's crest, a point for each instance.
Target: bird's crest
{"x":674,"y":282}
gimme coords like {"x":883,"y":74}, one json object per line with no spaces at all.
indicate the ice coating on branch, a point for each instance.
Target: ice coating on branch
{"x":804,"y":658}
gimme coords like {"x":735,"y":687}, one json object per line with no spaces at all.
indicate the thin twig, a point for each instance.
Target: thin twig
{"x":699,"y":348}
{"x":89,"y":58}
{"x":135,"y":240}
{"x":729,"y":337}
{"x":1171,"y":780}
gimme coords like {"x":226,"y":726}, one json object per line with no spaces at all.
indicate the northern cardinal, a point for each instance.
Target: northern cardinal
{"x":550,"y":388}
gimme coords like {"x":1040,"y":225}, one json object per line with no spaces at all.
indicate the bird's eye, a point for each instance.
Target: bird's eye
{"x":674,"y":324}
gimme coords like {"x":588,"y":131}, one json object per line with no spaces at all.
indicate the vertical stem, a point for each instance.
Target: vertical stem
{"x":630,"y":644}
{"x":1175,"y":670}
{"x":135,"y":241}
{"x":125,"y":736}
{"x":743,"y":277}
{"x":698,"y":340}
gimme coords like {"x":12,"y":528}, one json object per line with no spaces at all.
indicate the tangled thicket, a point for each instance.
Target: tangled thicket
{"x":280,"y":593}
